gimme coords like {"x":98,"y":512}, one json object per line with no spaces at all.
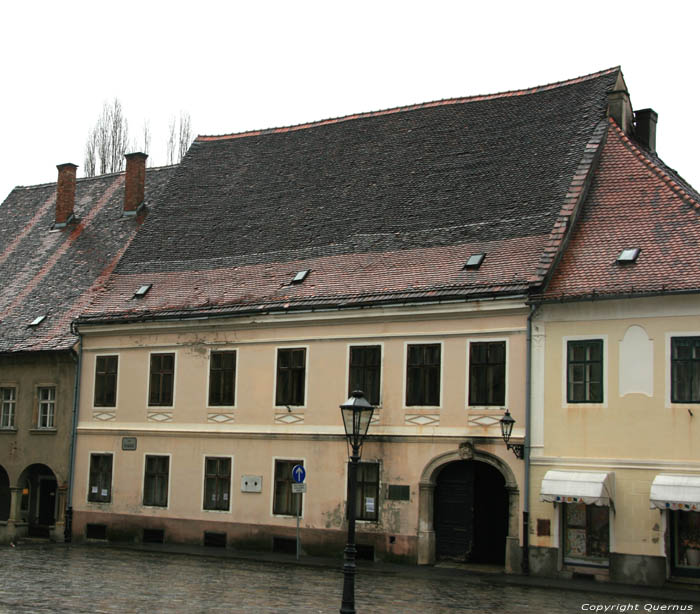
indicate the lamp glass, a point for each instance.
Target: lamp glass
{"x":507,"y":423}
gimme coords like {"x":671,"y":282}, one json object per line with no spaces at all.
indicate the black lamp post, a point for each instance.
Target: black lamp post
{"x":357,"y":414}
{"x":507,"y":423}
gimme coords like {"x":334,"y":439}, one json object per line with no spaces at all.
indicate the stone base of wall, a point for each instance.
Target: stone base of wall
{"x":624,"y":568}
{"x":314,"y":542}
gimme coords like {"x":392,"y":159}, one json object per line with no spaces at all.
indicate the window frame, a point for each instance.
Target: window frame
{"x":233,"y":351}
{"x":291,"y":461}
{"x":146,"y":456}
{"x":172,"y":390}
{"x":587,"y":560}
{"x":360,"y":517}
{"x":506,"y":351}
{"x":672,"y":367}
{"x":51,"y":403}
{"x":348,"y":387}
{"x":278,"y":349}
{"x":229,"y":509}
{"x":95,"y":405}
{"x":12,"y":413}
{"x":89,"y":493}
{"x":407,"y":345}
{"x":565,"y":370}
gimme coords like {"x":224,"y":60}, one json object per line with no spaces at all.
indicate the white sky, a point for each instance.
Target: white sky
{"x":242,"y":66}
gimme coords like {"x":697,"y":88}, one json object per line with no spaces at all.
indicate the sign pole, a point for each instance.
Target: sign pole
{"x":298,"y":514}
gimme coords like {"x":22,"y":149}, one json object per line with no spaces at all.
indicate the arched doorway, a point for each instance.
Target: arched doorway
{"x":470,"y":513}
{"x":4,"y":494}
{"x":39,"y":495}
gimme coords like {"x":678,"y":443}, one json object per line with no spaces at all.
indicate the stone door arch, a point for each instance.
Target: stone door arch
{"x":426,"y":520}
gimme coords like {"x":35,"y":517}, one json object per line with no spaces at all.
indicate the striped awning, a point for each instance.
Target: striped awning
{"x":589,"y":487}
{"x":675,"y":492}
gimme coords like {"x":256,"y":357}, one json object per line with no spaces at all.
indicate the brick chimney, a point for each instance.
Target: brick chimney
{"x":645,"y":128}
{"x":135,"y":182}
{"x":65,"y":194}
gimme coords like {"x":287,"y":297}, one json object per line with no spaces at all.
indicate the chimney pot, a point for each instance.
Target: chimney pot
{"x":645,"y":128}
{"x":65,"y":194}
{"x":135,"y":182}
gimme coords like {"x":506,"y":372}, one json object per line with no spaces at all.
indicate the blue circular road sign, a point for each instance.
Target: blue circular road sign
{"x":298,"y":474}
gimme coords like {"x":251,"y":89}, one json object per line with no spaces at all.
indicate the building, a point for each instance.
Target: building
{"x":394,"y":251}
{"x":58,"y":244}
{"x":616,"y":376}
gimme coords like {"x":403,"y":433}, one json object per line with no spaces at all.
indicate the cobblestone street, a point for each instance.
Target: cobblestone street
{"x":100,"y":579}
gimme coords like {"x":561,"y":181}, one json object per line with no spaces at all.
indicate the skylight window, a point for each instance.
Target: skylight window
{"x":38,"y":320}
{"x":300,"y":276}
{"x":628,"y":255}
{"x":142,"y":290}
{"x":475,"y":261}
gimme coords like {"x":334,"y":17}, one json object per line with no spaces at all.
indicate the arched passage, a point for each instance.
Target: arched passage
{"x":4,"y":494}
{"x":38,"y":499}
{"x":485,"y":475}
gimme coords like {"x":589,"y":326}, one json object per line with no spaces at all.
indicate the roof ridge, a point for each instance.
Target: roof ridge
{"x":412,"y":107}
{"x":642,"y":155}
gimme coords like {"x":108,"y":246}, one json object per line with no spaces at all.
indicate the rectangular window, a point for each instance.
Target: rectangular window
{"x":217,"y":483}
{"x":285,"y":502}
{"x":47,"y":407}
{"x":161,"y":381}
{"x":584,"y":368}
{"x":365,"y":371}
{"x":222,"y":378}
{"x":685,"y":542}
{"x":155,"y":483}
{"x":367,"y":493}
{"x":423,"y":375}
{"x":685,"y":369}
{"x":100,"y":487}
{"x":487,"y":373}
{"x":586,"y":534}
{"x":106,"y":381}
{"x":291,"y":376}
{"x":8,"y":401}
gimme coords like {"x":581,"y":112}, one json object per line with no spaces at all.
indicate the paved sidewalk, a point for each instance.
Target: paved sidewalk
{"x":465,"y":573}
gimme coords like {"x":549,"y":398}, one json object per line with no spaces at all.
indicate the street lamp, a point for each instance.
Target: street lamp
{"x":507,"y":423}
{"x":357,"y":414}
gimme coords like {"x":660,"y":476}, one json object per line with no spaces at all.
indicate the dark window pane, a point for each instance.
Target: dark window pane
{"x":217,"y":484}
{"x":423,"y":375}
{"x":487,"y":373}
{"x":285,"y":502}
{"x":685,"y":369}
{"x":585,"y":371}
{"x":291,"y":376}
{"x":161,"y":379}
{"x":155,"y":484}
{"x":365,"y":365}
{"x":222,"y":377}
{"x":105,"y":381}
{"x":100,"y":487}
{"x":367,"y":491}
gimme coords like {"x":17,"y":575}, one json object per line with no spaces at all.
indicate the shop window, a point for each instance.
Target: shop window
{"x":291,"y":376}
{"x":685,"y":369}
{"x":685,"y":544}
{"x":217,"y":483}
{"x":222,"y":378}
{"x":155,"y":483}
{"x":285,"y":502}
{"x":106,"y":381}
{"x":8,"y":401}
{"x":100,"y":487}
{"x":487,"y":373}
{"x":584,"y":368}
{"x":161,"y":379}
{"x":423,"y":375}
{"x":47,"y":407}
{"x":367,"y":493}
{"x":365,"y":371}
{"x":586,"y":534}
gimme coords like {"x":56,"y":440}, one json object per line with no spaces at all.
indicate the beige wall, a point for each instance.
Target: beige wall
{"x":636,"y":432}
{"x":404,"y":439}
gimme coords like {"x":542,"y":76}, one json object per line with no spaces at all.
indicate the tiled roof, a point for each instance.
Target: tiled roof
{"x":635,"y":201}
{"x":386,"y":204}
{"x":56,"y":272}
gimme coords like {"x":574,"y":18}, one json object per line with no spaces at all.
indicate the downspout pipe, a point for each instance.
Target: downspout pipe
{"x":526,"y":449}
{"x":68,"y":529}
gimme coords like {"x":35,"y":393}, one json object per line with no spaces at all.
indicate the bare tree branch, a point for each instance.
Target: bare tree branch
{"x":185,"y":136}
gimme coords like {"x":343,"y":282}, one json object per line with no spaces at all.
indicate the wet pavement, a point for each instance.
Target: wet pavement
{"x":101,"y":579}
